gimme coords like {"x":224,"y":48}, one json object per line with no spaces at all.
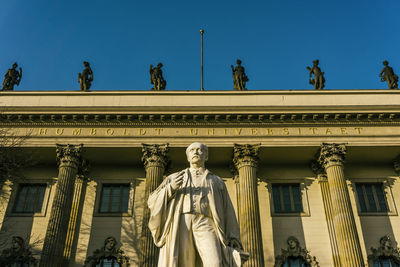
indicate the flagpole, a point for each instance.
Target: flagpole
{"x":202,"y":32}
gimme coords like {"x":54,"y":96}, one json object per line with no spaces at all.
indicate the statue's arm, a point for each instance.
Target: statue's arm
{"x":380,"y":74}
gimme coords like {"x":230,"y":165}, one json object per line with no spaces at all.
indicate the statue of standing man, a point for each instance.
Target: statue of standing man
{"x":319,"y":79}
{"x":239,"y":77}
{"x":12,"y":77}
{"x":86,"y":77}
{"x":156,"y":78}
{"x":387,"y":74}
{"x":192,"y":218}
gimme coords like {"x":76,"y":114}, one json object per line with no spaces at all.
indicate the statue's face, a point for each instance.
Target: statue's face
{"x":292,"y":244}
{"x":15,"y":245}
{"x":196,"y":153}
{"x":110,"y":244}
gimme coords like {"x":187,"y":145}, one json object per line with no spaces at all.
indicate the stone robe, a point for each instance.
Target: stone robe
{"x":166,"y":209}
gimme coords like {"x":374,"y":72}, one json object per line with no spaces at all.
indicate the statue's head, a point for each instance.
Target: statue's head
{"x":197,"y":153}
{"x":293,"y":242}
{"x":316,"y":62}
{"x":160,"y":65}
{"x":15,"y":65}
{"x":385,"y":242}
{"x":110,"y":243}
{"x":385,"y":62}
{"x":86,"y":64}
{"x":238,"y":62}
{"x":17,"y":243}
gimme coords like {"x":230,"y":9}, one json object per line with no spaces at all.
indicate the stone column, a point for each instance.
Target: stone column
{"x":332,"y":158}
{"x":245,"y":158}
{"x":69,"y":159}
{"x":76,"y":210}
{"x":326,"y":200}
{"x":155,"y":162}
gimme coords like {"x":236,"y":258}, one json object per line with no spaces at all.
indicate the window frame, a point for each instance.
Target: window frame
{"x":99,"y":193}
{"x":387,"y":191}
{"x":17,"y":189}
{"x":303,"y":194}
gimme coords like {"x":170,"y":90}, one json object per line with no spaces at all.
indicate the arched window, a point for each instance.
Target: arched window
{"x":385,"y":255}
{"x":385,"y":262}
{"x":295,"y":262}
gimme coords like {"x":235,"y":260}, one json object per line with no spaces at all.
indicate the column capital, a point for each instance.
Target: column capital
{"x":155,"y":155}
{"x":396,"y":164}
{"x":69,"y":154}
{"x":245,"y":155}
{"x":332,"y":154}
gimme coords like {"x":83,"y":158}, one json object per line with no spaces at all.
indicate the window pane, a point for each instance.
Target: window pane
{"x":277,"y":198}
{"x":114,"y":198}
{"x":361,"y":199}
{"x":105,"y":198}
{"x":297,"y":198}
{"x":30,"y":198}
{"x":381,"y":197}
{"x":286,"y":198}
{"x":370,"y":197}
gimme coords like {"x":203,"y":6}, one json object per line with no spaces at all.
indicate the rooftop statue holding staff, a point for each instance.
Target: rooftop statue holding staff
{"x":387,"y":74}
{"x":319,"y":79}
{"x":156,"y":78}
{"x":12,"y":77}
{"x":239,"y":77}
{"x":86,"y":77}
{"x":192,"y":218}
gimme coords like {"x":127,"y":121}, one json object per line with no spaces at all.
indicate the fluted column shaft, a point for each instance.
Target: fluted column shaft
{"x":332,"y":159}
{"x":326,"y":199}
{"x":78,"y":197}
{"x":69,"y":158}
{"x":155,"y":161}
{"x":245,"y":160}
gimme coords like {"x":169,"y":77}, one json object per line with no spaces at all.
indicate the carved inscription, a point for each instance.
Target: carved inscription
{"x":209,"y":132}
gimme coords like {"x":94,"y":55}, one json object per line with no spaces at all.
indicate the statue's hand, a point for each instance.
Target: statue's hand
{"x":234,"y":244}
{"x":176,"y":179}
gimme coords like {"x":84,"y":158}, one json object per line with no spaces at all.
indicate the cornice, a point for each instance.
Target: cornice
{"x":194,"y":119}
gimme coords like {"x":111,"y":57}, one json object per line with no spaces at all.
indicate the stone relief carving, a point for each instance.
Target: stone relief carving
{"x":319,"y":79}
{"x":12,"y":77}
{"x":19,"y":255}
{"x":86,"y":77}
{"x":239,"y":77}
{"x":156,"y":78}
{"x":295,"y":253}
{"x":387,"y":75}
{"x":385,"y":253}
{"x":110,"y":253}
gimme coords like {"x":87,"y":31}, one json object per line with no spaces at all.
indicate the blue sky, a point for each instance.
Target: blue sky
{"x":276,"y":40}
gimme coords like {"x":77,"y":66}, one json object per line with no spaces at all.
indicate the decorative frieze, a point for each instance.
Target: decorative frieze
{"x":199,"y":119}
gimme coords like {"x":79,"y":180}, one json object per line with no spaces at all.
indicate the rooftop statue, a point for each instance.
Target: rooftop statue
{"x":239,"y":77}
{"x":12,"y":77}
{"x":108,"y":255}
{"x":156,"y":78}
{"x":319,"y":80}
{"x":192,"y":218}
{"x":86,"y":77}
{"x":19,"y":255}
{"x":387,"y":74}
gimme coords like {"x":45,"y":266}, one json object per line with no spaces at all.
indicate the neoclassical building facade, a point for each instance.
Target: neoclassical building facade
{"x":313,"y":175}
